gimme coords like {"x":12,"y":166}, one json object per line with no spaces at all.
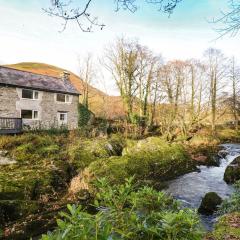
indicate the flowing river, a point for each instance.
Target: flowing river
{"x":192,"y":187}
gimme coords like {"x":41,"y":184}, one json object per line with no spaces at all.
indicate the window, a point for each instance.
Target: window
{"x":67,"y":98}
{"x":35,"y":114}
{"x":26,"y":114}
{"x":62,"y":118}
{"x":35,"y":94}
{"x":29,"y":114}
{"x":63,"y":97}
{"x":60,"y":97}
{"x":29,"y":94}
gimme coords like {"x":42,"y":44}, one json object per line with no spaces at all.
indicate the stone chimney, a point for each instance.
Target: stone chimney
{"x":65,"y":76}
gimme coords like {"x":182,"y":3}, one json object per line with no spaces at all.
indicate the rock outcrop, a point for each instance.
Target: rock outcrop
{"x":232,"y":173}
{"x":210,"y":203}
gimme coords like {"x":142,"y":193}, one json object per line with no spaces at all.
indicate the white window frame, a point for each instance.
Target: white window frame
{"x":65,"y":121}
{"x":35,"y":92}
{"x":67,"y":98}
{"x":33,"y":111}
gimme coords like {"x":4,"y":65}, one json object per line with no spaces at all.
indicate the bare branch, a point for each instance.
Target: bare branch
{"x":230,"y":20}
{"x":67,"y":11}
{"x":63,"y":10}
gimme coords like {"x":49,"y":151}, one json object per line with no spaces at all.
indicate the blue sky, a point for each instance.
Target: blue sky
{"x":28,"y":34}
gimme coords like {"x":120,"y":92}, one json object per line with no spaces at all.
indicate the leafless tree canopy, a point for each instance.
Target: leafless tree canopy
{"x":80,"y":12}
{"x":178,"y":96}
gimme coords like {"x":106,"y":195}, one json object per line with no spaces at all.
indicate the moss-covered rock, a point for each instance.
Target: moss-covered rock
{"x":83,"y":152}
{"x":210,"y":203}
{"x":149,"y":159}
{"x":227,"y":228}
{"x":232,"y":173}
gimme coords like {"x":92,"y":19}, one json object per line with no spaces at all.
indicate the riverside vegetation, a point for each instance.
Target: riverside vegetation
{"x":93,"y":178}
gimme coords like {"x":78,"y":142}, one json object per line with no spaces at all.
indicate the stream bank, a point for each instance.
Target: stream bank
{"x":192,"y":187}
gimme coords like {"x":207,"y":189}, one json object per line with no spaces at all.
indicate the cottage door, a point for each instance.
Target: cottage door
{"x":62,"y":118}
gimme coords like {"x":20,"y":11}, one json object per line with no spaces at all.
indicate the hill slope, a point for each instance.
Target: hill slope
{"x":100,"y":103}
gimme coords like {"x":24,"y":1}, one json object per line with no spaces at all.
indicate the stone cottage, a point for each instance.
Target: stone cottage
{"x":41,"y":101}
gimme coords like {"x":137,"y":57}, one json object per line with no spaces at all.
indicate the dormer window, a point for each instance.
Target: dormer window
{"x":29,"y":94}
{"x":63,"y":98}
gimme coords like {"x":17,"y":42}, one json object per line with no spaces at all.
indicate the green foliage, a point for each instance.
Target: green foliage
{"x":138,"y":120}
{"x":233,"y":203}
{"x":52,"y":130}
{"x":84,"y":115}
{"x":228,"y":227}
{"x":125,"y":212}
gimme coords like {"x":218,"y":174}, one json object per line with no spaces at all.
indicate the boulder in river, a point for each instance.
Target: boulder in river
{"x":223,"y":153}
{"x":210,"y":203}
{"x":232,"y":173}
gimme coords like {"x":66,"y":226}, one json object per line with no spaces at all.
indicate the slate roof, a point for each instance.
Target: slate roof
{"x":24,"y":79}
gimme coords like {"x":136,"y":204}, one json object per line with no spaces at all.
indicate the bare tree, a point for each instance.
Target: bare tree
{"x":147,"y":73}
{"x":235,"y":77}
{"x":156,"y":91}
{"x":172,"y":80}
{"x":81,"y":14}
{"x":87,"y":73}
{"x":196,"y":86}
{"x":121,"y":59}
{"x":216,"y":70}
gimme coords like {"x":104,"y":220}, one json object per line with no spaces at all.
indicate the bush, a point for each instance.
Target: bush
{"x":127,"y":213}
{"x":84,"y":115}
{"x":233,"y":203}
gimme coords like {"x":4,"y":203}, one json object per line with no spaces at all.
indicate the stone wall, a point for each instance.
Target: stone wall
{"x":8,"y":99}
{"x":49,"y":111}
{"x":11,"y":104}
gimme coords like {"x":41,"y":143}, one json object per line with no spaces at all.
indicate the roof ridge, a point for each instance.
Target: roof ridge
{"x":11,"y":68}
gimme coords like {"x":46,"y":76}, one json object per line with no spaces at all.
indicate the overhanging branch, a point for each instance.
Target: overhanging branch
{"x":67,"y":11}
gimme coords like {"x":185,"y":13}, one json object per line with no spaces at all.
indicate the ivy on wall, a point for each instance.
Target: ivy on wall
{"x":85,"y":115}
